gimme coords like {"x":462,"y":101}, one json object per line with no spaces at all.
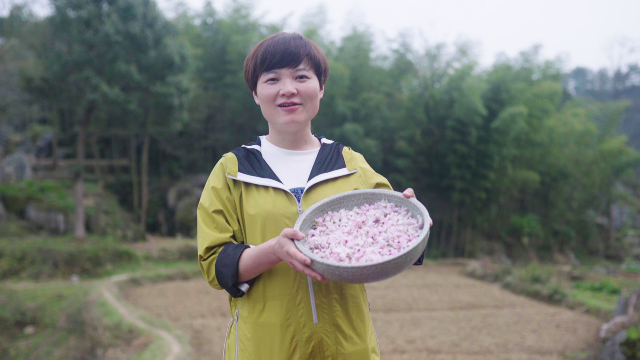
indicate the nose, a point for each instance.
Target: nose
{"x":288,"y":88}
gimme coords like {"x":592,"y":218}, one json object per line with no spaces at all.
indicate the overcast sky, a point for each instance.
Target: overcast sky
{"x":584,"y":33}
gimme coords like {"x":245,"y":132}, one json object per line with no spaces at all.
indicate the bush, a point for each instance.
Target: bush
{"x":15,"y":314}
{"x":65,"y":322}
{"x":631,"y":346}
{"x":607,"y":287}
{"x":51,"y":195}
{"x":42,"y":259}
{"x":535,"y":273}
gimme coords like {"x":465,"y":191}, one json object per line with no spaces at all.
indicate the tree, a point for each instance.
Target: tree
{"x":79,"y":67}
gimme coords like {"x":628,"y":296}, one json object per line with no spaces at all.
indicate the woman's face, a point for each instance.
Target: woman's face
{"x":289,"y":98}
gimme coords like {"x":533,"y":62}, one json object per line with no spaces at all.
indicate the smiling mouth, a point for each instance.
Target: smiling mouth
{"x":289,"y":104}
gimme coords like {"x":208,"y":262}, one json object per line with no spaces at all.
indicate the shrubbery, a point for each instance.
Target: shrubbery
{"x":51,"y":195}
{"x":60,"y":257}
{"x":606,"y":286}
{"x":58,"y":322}
{"x":561,"y":285}
{"x":631,"y":345}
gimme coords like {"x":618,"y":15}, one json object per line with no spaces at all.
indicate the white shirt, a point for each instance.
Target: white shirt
{"x":292,"y":167}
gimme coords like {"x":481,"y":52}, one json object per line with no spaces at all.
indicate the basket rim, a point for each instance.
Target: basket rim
{"x":423,"y":234}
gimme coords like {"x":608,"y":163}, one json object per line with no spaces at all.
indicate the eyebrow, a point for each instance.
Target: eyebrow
{"x":275,"y":72}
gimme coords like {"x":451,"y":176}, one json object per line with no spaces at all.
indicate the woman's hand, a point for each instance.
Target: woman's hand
{"x":410,"y":194}
{"x":285,"y":250}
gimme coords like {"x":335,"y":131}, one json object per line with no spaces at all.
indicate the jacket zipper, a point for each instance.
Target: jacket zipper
{"x":237,"y":344}
{"x":299,"y":204}
{"x":309,"y":279}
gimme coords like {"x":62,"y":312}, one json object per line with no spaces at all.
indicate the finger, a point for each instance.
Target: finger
{"x":305,"y":270}
{"x":292,"y":234}
{"x":409,"y":193}
{"x":295,"y":265}
{"x":317,"y":276}
{"x":294,"y":253}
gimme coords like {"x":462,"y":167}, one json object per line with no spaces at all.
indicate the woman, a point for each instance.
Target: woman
{"x":281,"y":308}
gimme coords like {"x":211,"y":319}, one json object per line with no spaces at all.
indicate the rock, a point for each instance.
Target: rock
{"x":186,"y":214}
{"x":572,"y":257}
{"x":16,"y":167}
{"x":3,"y":212}
{"x":29,"y":330}
{"x":505,"y":260}
{"x":43,"y":145}
{"x":182,"y":201}
{"x":53,"y":221}
{"x":611,"y":349}
{"x":613,"y":332}
{"x":621,"y":308}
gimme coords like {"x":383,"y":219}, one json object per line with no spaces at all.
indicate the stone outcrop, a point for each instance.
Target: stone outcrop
{"x":53,"y":221}
{"x":3,"y":212}
{"x":182,"y":201}
{"x":613,"y":333}
{"x":16,"y":167}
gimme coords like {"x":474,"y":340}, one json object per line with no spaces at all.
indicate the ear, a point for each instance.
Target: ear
{"x":255,"y":98}
{"x":321,"y":92}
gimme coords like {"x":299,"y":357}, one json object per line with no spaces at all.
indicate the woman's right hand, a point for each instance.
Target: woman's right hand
{"x":285,"y":250}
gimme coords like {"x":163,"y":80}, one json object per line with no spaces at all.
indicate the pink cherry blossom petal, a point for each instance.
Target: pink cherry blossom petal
{"x":365,"y":234}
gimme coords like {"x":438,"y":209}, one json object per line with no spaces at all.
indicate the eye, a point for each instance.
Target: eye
{"x":302,"y":77}
{"x":272,"y":79}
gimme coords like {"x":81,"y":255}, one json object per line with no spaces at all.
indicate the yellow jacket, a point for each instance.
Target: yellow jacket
{"x":282,"y":314}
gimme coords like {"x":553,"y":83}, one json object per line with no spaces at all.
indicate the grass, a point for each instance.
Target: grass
{"x":74,"y":321}
{"x":156,"y":350}
{"x":595,"y":300}
{"x":59,"y":257}
{"x":58,"y":321}
{"x":585,"y":288}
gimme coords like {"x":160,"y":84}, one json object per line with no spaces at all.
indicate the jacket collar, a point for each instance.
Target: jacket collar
{"x":253,"y":169}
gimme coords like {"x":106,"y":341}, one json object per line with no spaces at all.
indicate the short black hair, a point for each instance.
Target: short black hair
{"x":284,"y":51}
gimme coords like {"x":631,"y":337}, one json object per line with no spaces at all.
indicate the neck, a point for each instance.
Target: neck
{"x":297,"y":140}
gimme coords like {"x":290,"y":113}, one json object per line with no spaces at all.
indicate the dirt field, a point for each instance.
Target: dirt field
{"x":428,"y":312}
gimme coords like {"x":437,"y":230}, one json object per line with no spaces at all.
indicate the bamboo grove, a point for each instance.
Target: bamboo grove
{"x":519,"y":157}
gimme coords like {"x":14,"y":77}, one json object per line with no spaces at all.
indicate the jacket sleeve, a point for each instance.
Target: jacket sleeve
{"x":220,"y":242}
{"x":373,"y":180}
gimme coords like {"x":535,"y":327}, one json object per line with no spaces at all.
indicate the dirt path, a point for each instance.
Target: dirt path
{"x":107,"y":290}
{"x":428,"y":312}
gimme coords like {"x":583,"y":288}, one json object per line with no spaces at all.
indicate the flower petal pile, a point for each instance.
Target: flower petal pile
{"x":365,"y":234}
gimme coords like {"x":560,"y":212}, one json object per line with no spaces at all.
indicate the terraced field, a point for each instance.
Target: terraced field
{"x":428,"y":312}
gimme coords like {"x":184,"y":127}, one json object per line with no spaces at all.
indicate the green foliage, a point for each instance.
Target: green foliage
{"x":60,"y":258}
{"x":553,"y":284}
{"x":631,"y":346}
{"x":51,"y":195}
{"x":535,"y":273}
{"x":598,"y":302}
{"x":518,"y":154}
{"x":633,"y":268}
{"x":15,"y":314}
{"x":65,"y":322}
{"x":606,"y":286}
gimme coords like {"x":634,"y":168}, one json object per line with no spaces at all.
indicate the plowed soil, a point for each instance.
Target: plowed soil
{"x":427,"y":312}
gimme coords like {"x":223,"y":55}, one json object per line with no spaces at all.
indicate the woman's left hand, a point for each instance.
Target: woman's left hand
{"x":410,"y":194}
